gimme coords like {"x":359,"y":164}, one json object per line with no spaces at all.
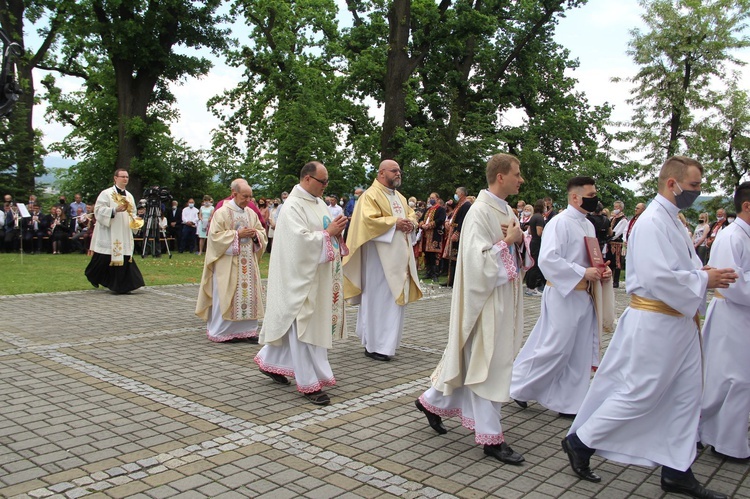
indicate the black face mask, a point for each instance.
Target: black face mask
{"x":685,"y":198}
{"x":589,"y":204}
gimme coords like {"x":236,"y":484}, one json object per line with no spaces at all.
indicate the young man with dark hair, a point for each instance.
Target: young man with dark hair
{"x":554,"y":366}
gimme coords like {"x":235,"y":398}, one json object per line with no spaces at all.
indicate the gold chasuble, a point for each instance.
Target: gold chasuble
{"x":235,"y":263}
{"x":376,"y":212}
{"x":304,"y":275}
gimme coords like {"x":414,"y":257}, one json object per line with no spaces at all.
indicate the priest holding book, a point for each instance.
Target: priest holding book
{"x":554,"y":366}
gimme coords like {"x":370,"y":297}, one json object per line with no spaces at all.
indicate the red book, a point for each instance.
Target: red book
{"x":595,"y":253}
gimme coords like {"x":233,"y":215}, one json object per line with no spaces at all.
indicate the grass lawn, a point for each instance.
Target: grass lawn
{"x":48,"y":273}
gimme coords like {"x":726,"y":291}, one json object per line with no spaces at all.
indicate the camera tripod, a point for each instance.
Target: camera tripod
{"x":152,"y":230}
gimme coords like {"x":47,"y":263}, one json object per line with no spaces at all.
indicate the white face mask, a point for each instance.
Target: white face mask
{"x":191,"y":204}
{"x":412,"y":204}
{"x":615,"y":212}
{"x":527,"y":213}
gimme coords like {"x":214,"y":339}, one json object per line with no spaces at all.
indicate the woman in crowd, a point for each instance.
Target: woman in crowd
{"x":58,"y":229}
{"x":534,"y":277}
{"x":264,"y":209}
{"x":685,"y":223}
{"x":204,"y":216}
{"x":699,"y":237}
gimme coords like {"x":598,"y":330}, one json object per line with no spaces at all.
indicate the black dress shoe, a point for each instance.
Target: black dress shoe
{"x":435,"y":421}
{"x":579,"y":464}
{"x":566,"y":416}
{"x":521,"y":403}
{"x":729,"y":458}
{"x":253,"y":340}
{"x":278,"y":378}
{"x":504,"y":453}
{"x":318,"y":398}
{"x":689,"y":487}
{"x":377,"y":356}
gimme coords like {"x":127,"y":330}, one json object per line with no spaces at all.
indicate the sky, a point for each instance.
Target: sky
{"x":596,"y":34}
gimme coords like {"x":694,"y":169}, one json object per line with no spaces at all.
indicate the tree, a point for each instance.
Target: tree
{"x":22,"y":151}
{"x":722,"y":142}
{"x":446,"y":74}
{"x":291,"y":107}
{"x":138,"y":40}
{"x":686,"y":48}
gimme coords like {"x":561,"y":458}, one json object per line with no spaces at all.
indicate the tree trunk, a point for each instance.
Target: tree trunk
{"x":12,"y":23}
{"x":398,"y":70}
{"x":132,"y":103}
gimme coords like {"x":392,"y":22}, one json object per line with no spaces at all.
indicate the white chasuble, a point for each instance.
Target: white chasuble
{"x":304,"y":275}
{"x":113,"y":235}
{"x":726,"y":345}
{"x":486,"y":320}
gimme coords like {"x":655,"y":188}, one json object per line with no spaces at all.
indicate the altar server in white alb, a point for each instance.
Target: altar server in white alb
{"x":644,"y":402}
{"x":554,"y":366}
{"x":486,"y":324}
{"x":305,"y":305}
{"x":112,"y":264}
{"x":380,"y":273}
{"x":726,"y":342}
{"x":230,"y":298}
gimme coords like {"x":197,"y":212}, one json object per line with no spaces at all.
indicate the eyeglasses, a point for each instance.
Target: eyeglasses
{"x":122,"y":176}
{"x":396,"y":170}
{"x":322,"y":182}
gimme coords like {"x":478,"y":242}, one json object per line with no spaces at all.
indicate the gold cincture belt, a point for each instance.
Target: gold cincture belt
{"x":583,"y":285}
{"x":649,"y":305}
{"x":719,"y":295}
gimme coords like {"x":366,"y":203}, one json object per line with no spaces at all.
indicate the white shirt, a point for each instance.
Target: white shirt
{"x":335,"y":210}
{"x":190,"y":215}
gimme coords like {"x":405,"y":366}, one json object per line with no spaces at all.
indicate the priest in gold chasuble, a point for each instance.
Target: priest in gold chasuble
{"x":380,"y":273}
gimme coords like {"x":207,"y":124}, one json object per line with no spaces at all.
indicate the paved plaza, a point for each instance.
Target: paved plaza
{"x":123,"y":396}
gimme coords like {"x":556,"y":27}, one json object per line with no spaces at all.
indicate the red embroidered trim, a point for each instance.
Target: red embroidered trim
{"x":468,"y":423}
{"x":244,"y":334}
{"x":508,"y":263}
{"x":290,"y":372}
{"x":236,"y":244}
{"x":328,"y":248}
{"x":489,"y":439}
{"x":316,"y":386}
{"x":272,"y":369}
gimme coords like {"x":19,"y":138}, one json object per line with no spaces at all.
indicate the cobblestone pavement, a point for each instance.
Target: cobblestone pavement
{"x":123,"y":396}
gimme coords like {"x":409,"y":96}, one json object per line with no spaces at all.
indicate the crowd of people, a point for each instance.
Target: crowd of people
{"x":64,"y":228}
{"x":662,"y":386}
{"x":646,"y":400}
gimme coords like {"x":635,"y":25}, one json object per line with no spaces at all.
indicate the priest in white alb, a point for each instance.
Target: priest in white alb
{"x":380,"y":273}
{"x":486,"y":321}
{"x":554,"y":365}
{"x":112,"y":264}
{"x":230,"y":298}
{"x":305,"y":305}
{"x":644,"y":403}
{"x":726,"y":342}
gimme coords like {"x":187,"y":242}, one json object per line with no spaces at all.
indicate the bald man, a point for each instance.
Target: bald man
{"x":380,"y":273}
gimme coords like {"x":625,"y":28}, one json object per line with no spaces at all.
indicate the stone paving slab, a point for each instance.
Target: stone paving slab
{"x":131,"y":400}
